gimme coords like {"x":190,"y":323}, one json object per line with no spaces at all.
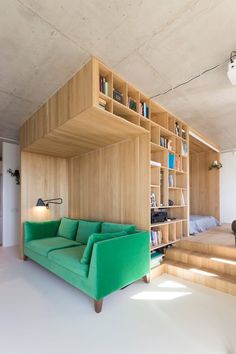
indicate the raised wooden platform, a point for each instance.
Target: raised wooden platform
{"x":208,"y":259}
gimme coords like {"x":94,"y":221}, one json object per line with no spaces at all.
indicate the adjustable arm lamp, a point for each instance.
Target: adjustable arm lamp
{"x":46,"y":202}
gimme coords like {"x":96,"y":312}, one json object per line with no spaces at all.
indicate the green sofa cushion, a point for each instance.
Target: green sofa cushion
{"x":96,"y":238}
{"x":68,"y":228}
{"x":87,"y":228}
{"x":108,"y":227}
{"x":69,"y":258}
{"x":46,"y":245}
{"x":37,"y":230}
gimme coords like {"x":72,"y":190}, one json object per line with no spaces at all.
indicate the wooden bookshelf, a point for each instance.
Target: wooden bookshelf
{"x":85,"y":116}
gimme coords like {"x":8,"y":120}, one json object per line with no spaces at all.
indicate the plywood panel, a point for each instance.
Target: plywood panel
{"x":45,"y":177}
{"x":112,"y":183}
{"x":204,"y":184}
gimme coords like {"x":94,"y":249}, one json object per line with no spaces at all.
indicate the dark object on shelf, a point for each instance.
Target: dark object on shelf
{"x":15,"y":174}
{"x":118,"y":96}
{"x":177,"y":130}
{"x":46,"y":202}
{"x":158,"y":216}
{"x":233,"y":226}
{"x":132,"y":104}
{"x":170,"y":202}
{"x":184,"y":134}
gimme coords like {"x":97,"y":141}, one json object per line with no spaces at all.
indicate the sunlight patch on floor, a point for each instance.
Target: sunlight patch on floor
{"x":160,"y":295}
{"x":171,"y":284}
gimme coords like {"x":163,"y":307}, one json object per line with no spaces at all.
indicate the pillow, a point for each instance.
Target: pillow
{"x":96,"y":238}
{"x":68,"y":228}
{"x":87,"y":228}
{"x":112,"y":227}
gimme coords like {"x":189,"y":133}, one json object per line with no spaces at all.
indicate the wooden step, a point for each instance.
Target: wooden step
{"x":203,"y":276}
{"x":212,"y":249}
{"x":212,"y":263}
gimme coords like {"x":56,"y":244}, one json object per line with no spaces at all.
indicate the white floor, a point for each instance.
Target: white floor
{"x":41,"y":314}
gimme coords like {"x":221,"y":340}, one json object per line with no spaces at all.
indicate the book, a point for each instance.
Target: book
{"x":171,"y":160}
{"x":171,"y":180}
{"x":182,"y":199}
{"x":155,"y":163}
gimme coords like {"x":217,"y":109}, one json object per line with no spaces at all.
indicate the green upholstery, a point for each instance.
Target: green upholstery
{"x":37,"y":230}
{"x":87,"y":228}
{"x":115,"y":262}
{"x":108,"y":227}
{"x":43,"y":246}
{"x":96,"y":238}
{"x":68,"y":228}
{"x":70,"y":259}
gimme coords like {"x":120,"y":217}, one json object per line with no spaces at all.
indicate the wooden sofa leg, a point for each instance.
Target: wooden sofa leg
{"x":98,"y":305}
{"x":25,"y":258}
{"x":146,"y":278}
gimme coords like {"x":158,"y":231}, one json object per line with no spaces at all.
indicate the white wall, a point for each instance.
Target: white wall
{"x":228,"y":187}
{"x":11,"y":195}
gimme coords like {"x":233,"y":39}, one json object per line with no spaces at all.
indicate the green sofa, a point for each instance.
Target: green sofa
{"x":95,"y":257}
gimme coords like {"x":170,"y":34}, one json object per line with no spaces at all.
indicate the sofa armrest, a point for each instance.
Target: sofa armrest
{"x":118,"y":262}
{"x":37,"y":230}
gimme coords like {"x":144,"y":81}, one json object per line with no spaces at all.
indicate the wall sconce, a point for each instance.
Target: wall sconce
{"x":46,"y":202}
{"x":215,"y":164}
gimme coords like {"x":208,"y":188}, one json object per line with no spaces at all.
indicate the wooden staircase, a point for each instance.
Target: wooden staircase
{"x":210,"y":265}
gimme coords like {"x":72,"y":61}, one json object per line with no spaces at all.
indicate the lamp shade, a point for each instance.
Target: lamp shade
{"x":40,"y":202}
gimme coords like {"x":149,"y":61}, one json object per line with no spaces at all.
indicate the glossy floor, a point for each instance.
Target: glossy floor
{"x":41,"y":314}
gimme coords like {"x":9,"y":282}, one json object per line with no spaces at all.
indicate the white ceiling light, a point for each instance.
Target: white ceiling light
{"x":232,"y":68}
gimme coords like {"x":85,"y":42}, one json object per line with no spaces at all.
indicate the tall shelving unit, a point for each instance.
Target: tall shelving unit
{"x":169,"y":184}
{"x":97,"y":109}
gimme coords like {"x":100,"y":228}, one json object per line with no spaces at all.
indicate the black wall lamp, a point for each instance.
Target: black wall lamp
{"x":46,"y":202}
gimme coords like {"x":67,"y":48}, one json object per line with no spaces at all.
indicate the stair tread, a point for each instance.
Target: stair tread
{"x":225,"y":277}
{"x":200,"y":254}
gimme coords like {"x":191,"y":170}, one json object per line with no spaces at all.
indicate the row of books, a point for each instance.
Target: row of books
{"x":144,"y":109}
{"x":155,"y":237}
{"x":167,"y":143}
{"x":174,"y":161}
{"x":103,"y":85}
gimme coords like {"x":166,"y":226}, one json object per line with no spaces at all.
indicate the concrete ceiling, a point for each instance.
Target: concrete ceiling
{"x":155,"y":44}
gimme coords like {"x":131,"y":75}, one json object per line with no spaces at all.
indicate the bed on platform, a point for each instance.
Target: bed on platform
{"x":201,"y":223}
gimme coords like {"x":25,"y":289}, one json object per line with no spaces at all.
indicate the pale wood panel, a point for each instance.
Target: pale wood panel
{"x":112,"y":183}
{"x":90,"y":130}
{"x":43,"y":177}
{"x":204,"y":184}
{"x":74,"y":97}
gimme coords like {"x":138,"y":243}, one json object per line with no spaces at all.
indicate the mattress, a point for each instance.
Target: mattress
{"x":200,"y":223}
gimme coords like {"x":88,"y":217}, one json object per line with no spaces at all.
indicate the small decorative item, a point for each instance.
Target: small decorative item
{"x":215,"y":164}
{"x":15,"y":174}
{"x":153,"y":201}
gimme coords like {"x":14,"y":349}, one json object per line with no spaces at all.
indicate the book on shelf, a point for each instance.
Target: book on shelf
{"x":184,"y":148}
{"x":166,"y":143}
{"x":118,"y":96}
{"x":156,"y":237}
{"x":103,"y":85}
{"x":155,"y":163}
{"x":132,"y":104}
{"x":171,"y":180}
{"x":171,"y":160}
{"x":144,"y":109}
